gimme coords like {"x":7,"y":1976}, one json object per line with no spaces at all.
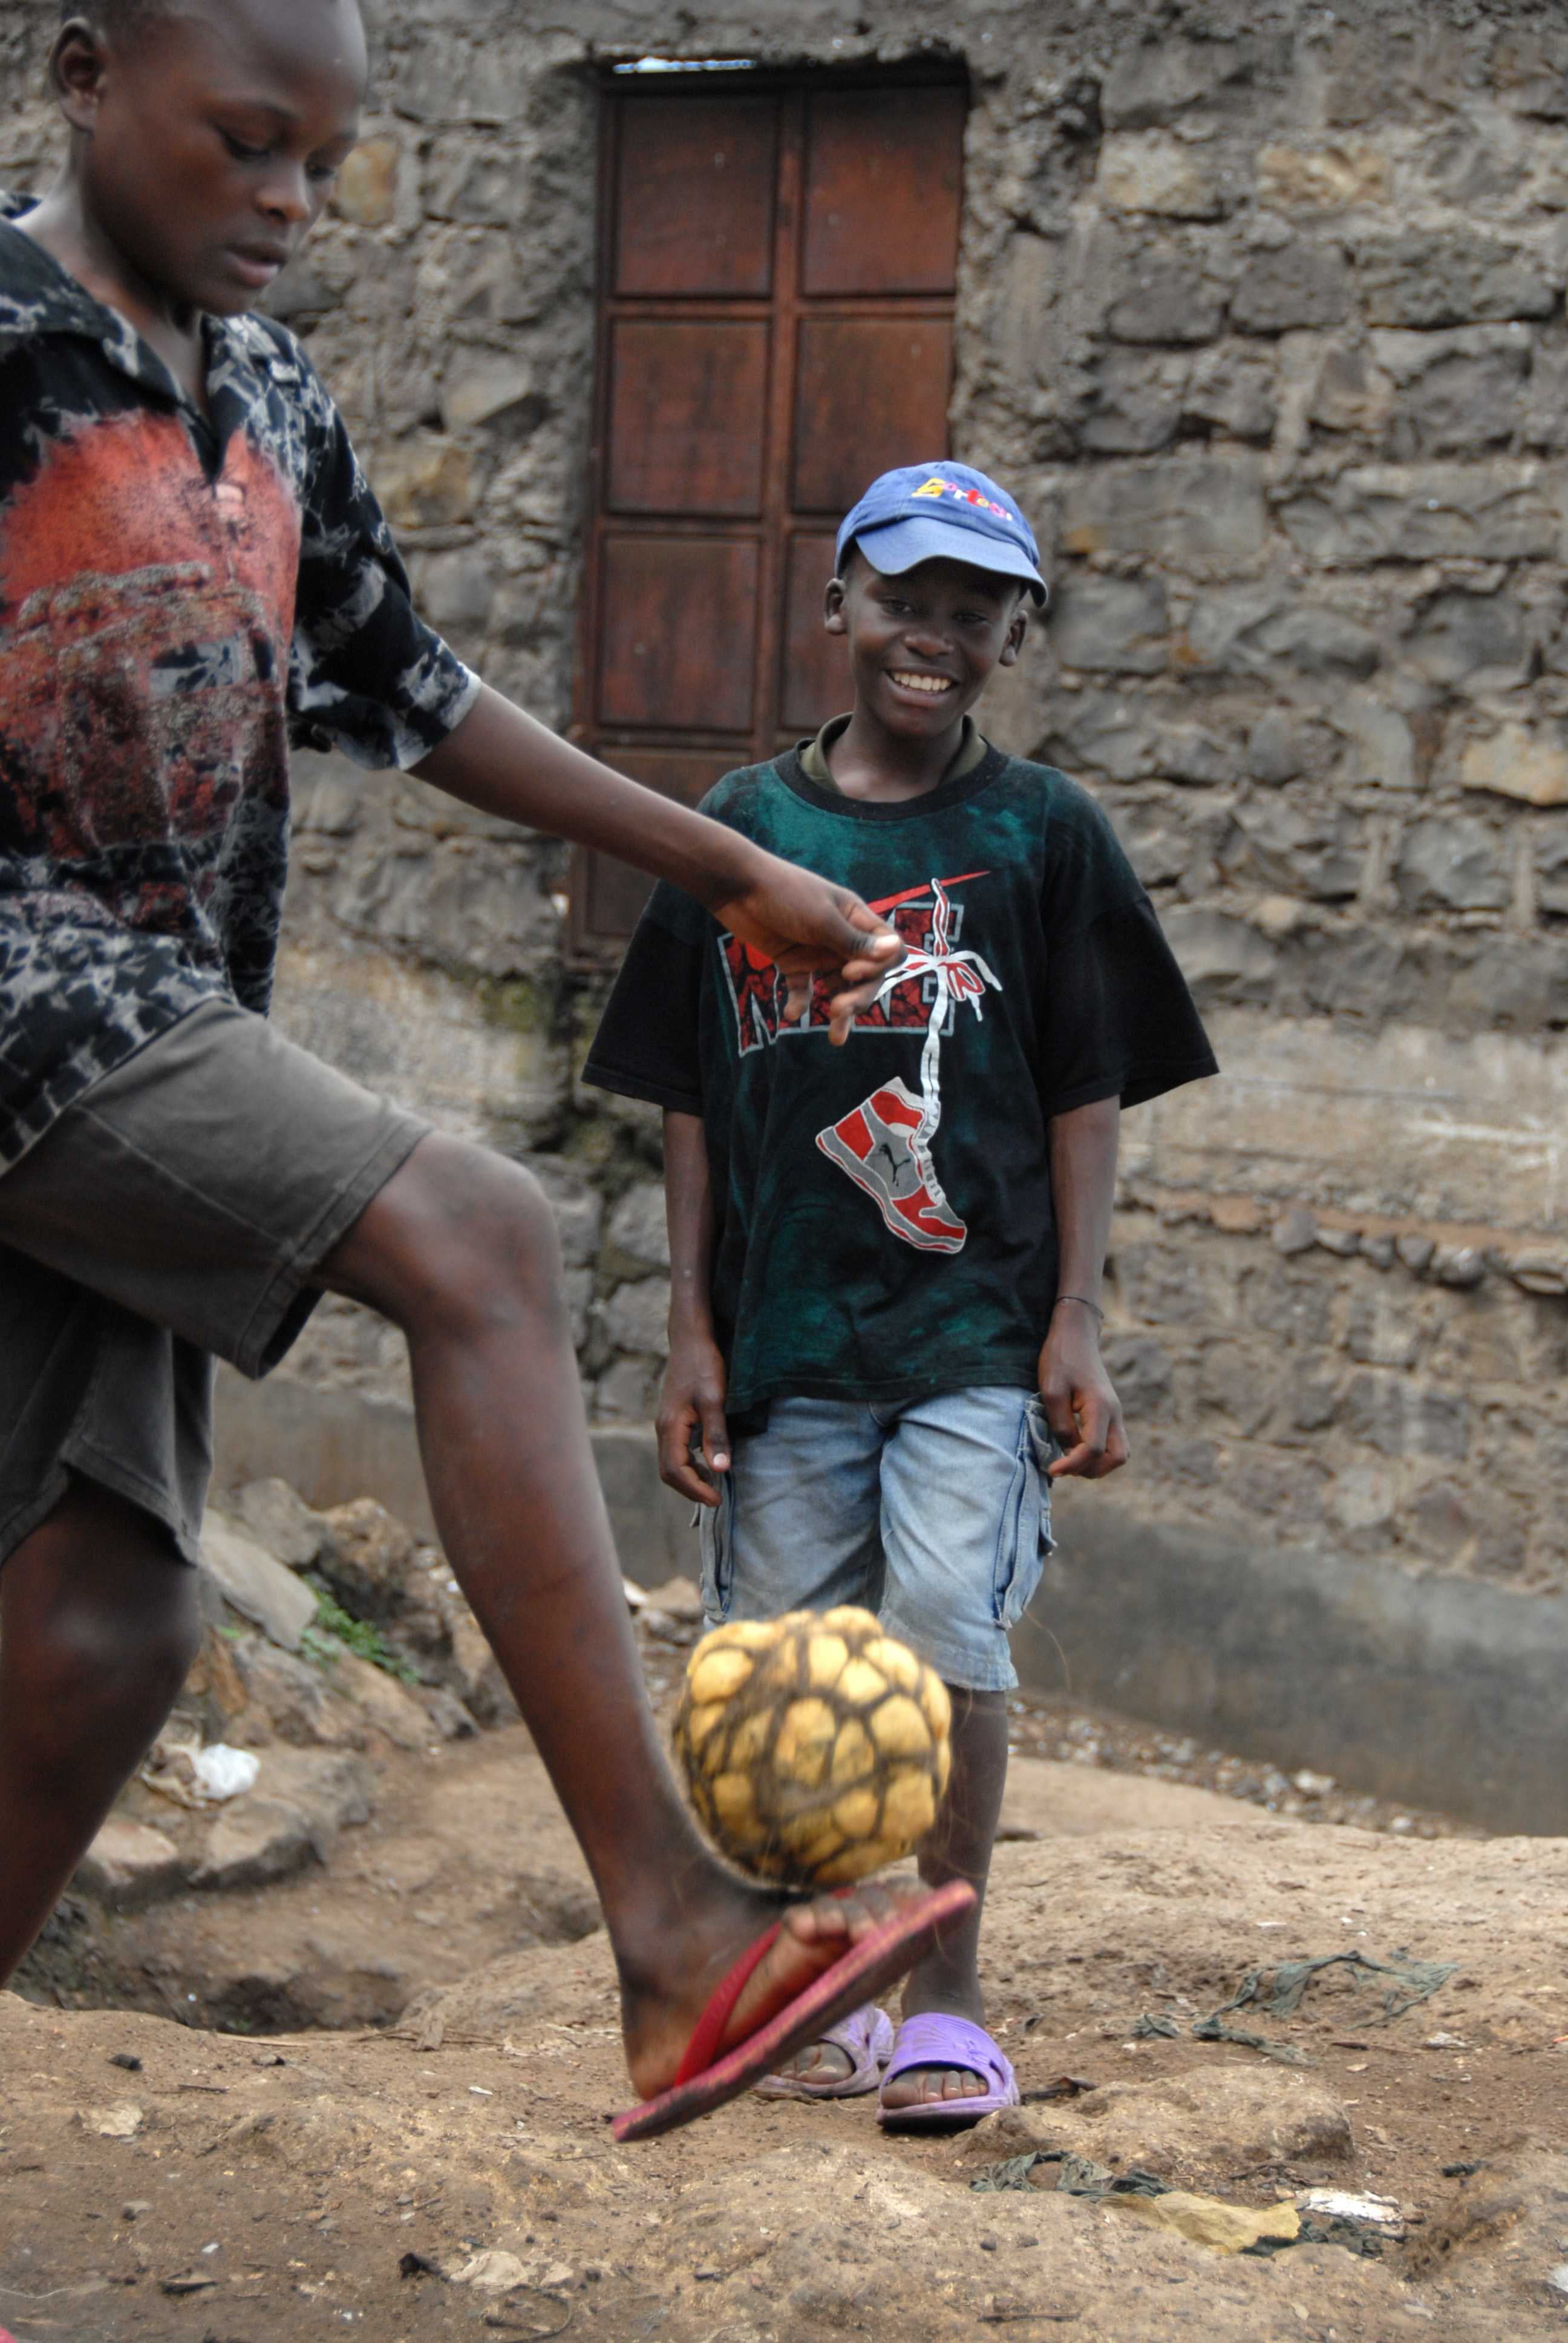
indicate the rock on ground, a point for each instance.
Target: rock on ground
{"x":256,"y":1584}
{"x":1194,"y":2127}
{"x":345,"y":1884}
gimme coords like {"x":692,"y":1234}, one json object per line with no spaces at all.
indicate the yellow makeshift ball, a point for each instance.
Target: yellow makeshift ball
{"x":815,"y":1746}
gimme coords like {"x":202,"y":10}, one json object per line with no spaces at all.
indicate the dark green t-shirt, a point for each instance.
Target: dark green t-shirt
{"x":884,"y":1223}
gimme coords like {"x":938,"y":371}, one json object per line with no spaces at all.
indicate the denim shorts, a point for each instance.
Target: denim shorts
{"x":933,"y":1513}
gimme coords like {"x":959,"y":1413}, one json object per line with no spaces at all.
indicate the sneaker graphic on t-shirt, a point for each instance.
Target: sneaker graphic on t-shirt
{"x":879,"y":1145}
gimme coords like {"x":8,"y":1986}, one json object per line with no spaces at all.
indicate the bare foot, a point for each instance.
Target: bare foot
{"x":817,"y":2062}
{"x":919,"y":2086}
{"x":662,"y":2003}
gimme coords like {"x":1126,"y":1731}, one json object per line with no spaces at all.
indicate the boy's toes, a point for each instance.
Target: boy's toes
{"x":919,"y":2086}
{"x":818,"y":2062}
{"x":852,"y":1915}
{"x":811,"y":1937}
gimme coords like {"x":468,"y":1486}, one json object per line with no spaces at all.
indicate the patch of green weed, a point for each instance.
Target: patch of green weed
{"x":332,"y":1628}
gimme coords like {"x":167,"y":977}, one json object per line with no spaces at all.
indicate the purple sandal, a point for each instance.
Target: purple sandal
{"x":936,"y":2040}
{"x":866,"y":2039}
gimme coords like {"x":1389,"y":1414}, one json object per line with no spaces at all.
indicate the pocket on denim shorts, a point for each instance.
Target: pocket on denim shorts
{"x":1047,"y":1449}
{"x":715,"y":1530}
{"x":1025,"y":1537}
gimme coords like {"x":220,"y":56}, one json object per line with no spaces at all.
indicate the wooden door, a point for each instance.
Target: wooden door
{"x":777,"y":274}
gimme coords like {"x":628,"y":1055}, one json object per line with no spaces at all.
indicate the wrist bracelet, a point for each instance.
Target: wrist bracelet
{"x":1083,"y":1301}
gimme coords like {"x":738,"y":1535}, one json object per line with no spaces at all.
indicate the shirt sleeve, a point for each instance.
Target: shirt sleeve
{"x":367,"y":675}
{"x":1120,"y":1021}
{"x":648,"y":1043}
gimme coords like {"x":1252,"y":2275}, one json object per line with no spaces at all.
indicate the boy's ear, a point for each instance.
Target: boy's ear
{"x":76,"y":66}
{"x":1016,"y":630}
{"x":835,"y":617}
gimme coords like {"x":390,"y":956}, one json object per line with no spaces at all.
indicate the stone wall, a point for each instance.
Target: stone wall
{"x":1272,"y":328}
{"x":1262,"y":315}
{"x":1368,"y":1391}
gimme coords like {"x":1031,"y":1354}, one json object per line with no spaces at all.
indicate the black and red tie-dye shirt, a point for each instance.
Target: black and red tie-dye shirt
{"x":181,"y":597}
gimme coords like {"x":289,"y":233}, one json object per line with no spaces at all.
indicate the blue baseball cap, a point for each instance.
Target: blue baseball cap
{"x":942,"y":512}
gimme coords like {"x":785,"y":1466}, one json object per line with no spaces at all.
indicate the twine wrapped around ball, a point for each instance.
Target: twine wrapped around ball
{"x":815,"y":1746}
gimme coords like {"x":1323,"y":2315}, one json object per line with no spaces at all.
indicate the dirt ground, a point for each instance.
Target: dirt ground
{"x":347,"y":2066}
{"x":230,"y":2190}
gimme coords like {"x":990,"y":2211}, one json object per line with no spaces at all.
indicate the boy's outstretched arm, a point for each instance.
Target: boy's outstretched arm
{"x":1081,"y":1403}
{"x":692,"y":1399}
{"x":509,"y":764}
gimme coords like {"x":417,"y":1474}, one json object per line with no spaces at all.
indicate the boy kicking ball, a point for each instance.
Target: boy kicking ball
{"x":192,"y":573}
{"x":886,"y":1260}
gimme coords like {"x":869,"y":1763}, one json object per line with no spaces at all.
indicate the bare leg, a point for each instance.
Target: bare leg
{"x":459,"y":1249}
{"x":959,"y":1847}
{"x":99,"y":1626}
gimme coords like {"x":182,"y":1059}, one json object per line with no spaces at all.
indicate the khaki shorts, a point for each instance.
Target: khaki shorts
{"x":179,"y":1210}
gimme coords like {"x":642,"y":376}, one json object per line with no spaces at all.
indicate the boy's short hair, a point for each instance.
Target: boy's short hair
{"x":942,"y":512}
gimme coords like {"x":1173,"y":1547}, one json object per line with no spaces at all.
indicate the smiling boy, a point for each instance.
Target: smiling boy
{"x":193,"y":574}
{"x":886,"y":1260}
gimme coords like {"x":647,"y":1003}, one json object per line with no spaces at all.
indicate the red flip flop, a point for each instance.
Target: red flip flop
{"x":866,"y":1970}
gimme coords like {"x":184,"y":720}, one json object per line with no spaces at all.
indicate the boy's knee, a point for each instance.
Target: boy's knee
{"x":83,"y":1654}
{"x":490,"y":1217}
{"x":465,"y":1234}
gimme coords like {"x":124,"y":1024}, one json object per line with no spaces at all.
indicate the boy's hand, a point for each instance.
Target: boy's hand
{"x":1080,"y":1402}
{"x":691,"y":1399}
{"x":808,"y":927}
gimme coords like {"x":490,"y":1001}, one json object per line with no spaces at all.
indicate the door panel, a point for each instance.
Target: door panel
{"x":871,"y":393}
{"x":816,"y":683}
{"x":883,"y":168}
{"x":694,"y":206}
{"x":678,"y":646}
{"x":688,"y":412}
{"x":776,"y":271}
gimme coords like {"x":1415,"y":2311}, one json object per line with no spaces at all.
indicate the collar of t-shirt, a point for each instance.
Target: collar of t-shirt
{"x":813,"y":754}
{"x":42,"y":297}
